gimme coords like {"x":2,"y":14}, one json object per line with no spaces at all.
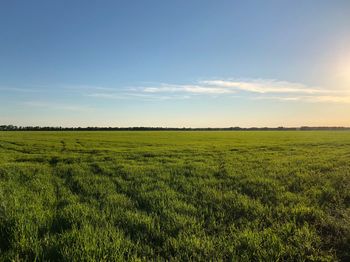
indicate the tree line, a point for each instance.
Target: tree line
{"x":50,"y":128}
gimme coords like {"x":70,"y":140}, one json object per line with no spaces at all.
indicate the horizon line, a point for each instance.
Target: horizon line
{"x":37,"y":127}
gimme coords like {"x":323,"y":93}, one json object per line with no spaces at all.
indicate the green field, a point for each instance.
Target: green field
{"x":233,"y":196}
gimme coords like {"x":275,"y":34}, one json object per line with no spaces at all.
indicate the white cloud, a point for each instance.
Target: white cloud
{"x":143,"y":96}
{"x":255,"y":89}
{"x":222,"y":87}
{"x":311,"y":99}
{"x":263,"y":86}
{"x":194,"y":89}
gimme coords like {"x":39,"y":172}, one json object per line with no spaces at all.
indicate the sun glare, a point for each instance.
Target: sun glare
{"x":343,"y":71}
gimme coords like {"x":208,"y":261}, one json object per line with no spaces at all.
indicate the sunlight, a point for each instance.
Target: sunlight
{"x":343,"y":71}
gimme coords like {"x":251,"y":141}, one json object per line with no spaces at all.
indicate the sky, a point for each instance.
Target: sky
{"x":183,"y":63}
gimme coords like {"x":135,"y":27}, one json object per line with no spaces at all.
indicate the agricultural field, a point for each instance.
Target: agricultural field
{"x":232,"y":196}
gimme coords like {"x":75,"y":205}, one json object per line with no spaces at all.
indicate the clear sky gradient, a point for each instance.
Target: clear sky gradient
{"x":175,"y":63}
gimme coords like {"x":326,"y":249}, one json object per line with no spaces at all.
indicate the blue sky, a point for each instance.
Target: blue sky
{"x":175,"y":63}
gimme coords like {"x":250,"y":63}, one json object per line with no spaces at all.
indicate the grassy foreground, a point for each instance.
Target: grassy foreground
{"x":111,"y":196}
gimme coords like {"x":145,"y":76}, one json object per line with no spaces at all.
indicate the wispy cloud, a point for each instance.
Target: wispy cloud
{"x":87,"y":88}
{"x":252,"y":89}
{"x":133,"y":96}
{"x":222,"y":87}
{"x":193,"y":89}
{"x":256,"y":89}
{"x":264,"y":86}
{"x":310,"y":99}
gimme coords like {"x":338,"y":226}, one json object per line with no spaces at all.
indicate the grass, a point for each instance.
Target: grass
{"x":112,"y":196}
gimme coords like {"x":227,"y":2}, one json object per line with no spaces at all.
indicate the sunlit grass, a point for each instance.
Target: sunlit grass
{"x":110,"y":196}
